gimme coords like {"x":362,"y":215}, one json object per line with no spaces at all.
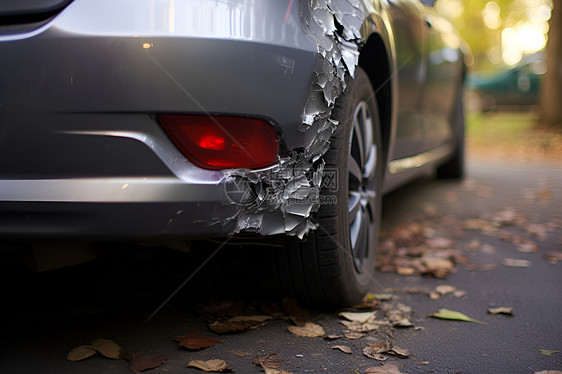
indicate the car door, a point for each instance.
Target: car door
{"x":409,"y":37}
{"x":444,"y":70}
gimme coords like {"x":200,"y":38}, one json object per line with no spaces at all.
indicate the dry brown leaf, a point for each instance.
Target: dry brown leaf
{"x":343,"y":348}
{"x":445,"y":289}
{"x":439,"y":243}
{"x":298,"y":315}
{"x":400,"y":352}
{"x":215,"y":365}
{"x":81,"y":353}
{"x":363,"y":327}
{"x":195,"y":342}
{"x":239,"y":323}
{"x":524,"y":246}
{"x":537,"y":230}
{"x":474,"y":244}
{"x":553,"y":257}
{"x":459,"y":293}
{"x":516,"y":263}
{"x":384,"y":369}
{"x":371,"y":352}
{"x":333,"y":337}
{"x":270,"y":361}
{"x":353,"y":335}
{"x":439,"y":267}
{"x":501,"y":310}
{"x":475,"y":224}
{"x":434,"y":295}
{"x":405,"y":270}
{"x":487,"y":248}
{"x":107,"y":348}
{"x":141,"y":361}
{"x":309,"y":330}
{"x":360,"y":317}
{"x":404,"y":322}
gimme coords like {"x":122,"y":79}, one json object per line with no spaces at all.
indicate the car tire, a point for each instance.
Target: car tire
{"x":334,"y":264}
{"x":454,"y":167}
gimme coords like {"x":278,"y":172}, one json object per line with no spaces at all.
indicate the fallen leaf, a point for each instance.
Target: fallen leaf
{"x":439,"y":267}
{"x":298,"y":315}
{"x":107,"y":348}
{"x":404,"y":322}
{"x":501,"y":310}
{"x":215,"y":365}
{"x":405,"y":270}
{"x":553,"y":257}
{"x":537,"y":230}
{"x":547,"y":352}
{"x":487,"y":248}
{"x":445,"y":289}
{"x":453,"y":315}
{"x":343,"y":348}
{"x":80,"y":353}
{"x":400,"y":352}
{"x":141,"y":361}
{"x":548,"y":372}
{"x":363,"y":327}
{"x":372,"y":353}
{"x":353,"y":335}
{"x":384,"y":369}
{"x":360,"y":317}
{"x":474,"y":244}
{"x":434,"y":295}
{"x":439,"y":243}
{"x":524,"y":246}
{"x":516,"y":263}
{"x":459,"y":293}
{"x":309,"y":330}
{"x":239,"y":323}
{"x":195,"y":342}
{"x":270,"y":361}
{"x":333,"y":337}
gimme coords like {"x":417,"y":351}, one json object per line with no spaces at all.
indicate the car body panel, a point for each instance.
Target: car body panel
{"x":80,"y":145}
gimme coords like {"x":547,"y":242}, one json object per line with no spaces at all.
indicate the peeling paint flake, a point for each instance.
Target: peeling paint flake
{"x":290,"y":192}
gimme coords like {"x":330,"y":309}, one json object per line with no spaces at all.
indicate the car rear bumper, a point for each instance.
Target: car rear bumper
{"x":81,"y":151}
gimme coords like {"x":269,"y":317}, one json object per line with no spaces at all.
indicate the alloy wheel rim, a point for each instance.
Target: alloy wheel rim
{"x":362,"y":166}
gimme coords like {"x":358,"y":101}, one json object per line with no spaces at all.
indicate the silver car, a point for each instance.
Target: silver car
{"x":172,"y":120}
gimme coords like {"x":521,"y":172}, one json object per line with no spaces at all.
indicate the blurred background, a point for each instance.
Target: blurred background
{"x":514,"y":85}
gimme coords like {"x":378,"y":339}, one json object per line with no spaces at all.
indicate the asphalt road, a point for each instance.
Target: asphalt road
{"x":48,"y":314}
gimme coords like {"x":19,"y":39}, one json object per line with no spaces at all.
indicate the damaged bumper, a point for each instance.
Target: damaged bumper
{"x":81,"y":152}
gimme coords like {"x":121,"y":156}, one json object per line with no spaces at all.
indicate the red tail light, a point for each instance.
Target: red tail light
{"x":222,"y":142}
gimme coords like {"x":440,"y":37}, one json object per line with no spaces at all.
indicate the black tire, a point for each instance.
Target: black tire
{"x":327,"y":268}
{"x":454,"y":167}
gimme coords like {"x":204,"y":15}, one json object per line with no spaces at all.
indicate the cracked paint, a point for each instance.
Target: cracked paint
{"x":289,"y":192}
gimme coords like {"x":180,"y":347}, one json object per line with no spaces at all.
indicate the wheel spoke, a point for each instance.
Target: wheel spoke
{"x":355,"y":170}
{"x":354,"y":204}
{"x":371,"y":164}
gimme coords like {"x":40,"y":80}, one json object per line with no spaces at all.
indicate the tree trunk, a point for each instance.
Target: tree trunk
{"x":551,"y":84}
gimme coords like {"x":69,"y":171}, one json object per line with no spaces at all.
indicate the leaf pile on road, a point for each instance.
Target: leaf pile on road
{"x":425,"y":247}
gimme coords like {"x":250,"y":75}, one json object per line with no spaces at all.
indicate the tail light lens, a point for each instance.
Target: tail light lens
{"x":221,"y":142}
